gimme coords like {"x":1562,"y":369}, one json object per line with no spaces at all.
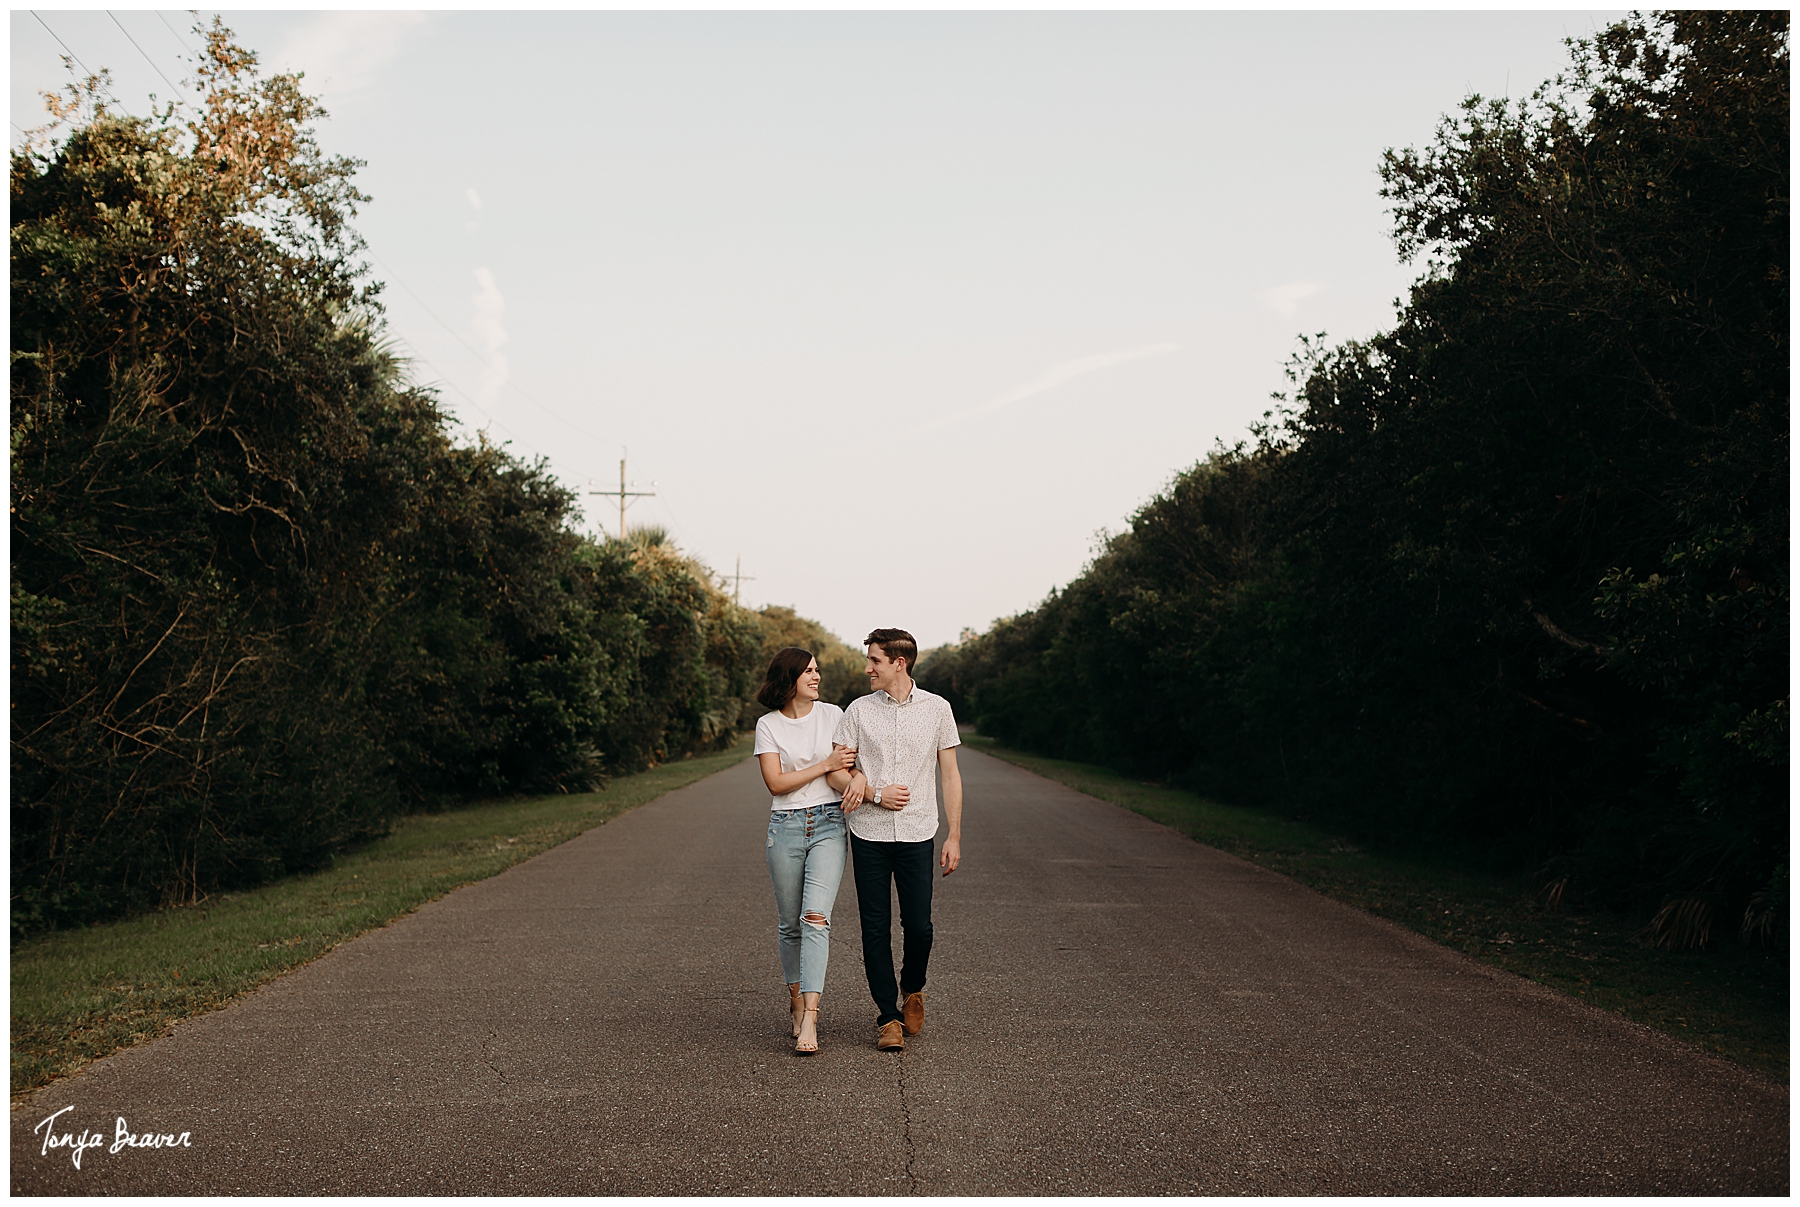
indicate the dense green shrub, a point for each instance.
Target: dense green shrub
{"x":195,"y":502}
{"x":1511,"y":577}
{"x":261,"y":602}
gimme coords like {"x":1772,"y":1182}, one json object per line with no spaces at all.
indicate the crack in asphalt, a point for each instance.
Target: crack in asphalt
{"x":498,"y":1071}
{"x":906,"y":1128}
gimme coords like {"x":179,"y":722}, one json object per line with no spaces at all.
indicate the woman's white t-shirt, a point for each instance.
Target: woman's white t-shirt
{"x":801,"y":743}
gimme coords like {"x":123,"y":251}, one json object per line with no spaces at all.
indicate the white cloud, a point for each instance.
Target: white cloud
{"x":490,"y":336}
{"x":474,"y":199}
{"x":1053,"y":377}
{"x":341,"y":52}
{"x":1285,"y":299}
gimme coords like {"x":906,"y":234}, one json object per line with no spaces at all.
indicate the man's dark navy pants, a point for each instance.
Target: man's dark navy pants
{"x":908,"y":865}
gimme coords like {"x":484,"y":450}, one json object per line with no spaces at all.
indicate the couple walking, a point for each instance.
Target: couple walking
{"x":872,"y":770}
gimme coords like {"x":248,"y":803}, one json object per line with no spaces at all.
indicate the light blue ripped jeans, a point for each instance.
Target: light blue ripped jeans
{"x":806,"y":860}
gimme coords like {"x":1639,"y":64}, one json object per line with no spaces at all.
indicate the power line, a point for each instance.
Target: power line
{"x":457,"y":335}
{"x":60,"y":42}
{"x":468,"y":398}
{"x":676,"y":525}
{"x":140,"y":50}
{"x":171,"y":29}
{"x":73,"y":55}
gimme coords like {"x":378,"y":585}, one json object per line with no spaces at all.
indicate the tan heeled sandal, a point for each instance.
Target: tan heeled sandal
{"x":800,"y":1048}
{"x":794,"y":1006}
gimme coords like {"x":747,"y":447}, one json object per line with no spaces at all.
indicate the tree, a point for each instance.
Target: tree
{"x":261,"y":601}
{"x":1575,"y":441}
{"x":198,"y":499}
{"x":1510,"y":578}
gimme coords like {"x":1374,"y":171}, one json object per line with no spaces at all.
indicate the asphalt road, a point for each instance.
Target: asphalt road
{"x":1113,"y":1009}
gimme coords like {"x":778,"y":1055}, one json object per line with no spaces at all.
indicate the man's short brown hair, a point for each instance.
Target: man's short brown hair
{"x":896,"y":644}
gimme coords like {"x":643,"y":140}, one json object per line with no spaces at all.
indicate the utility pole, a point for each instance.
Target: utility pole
{"x":622,"y":495}
{"x":739,"y":579}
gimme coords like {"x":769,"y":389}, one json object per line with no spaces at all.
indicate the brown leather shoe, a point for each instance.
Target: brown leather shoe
{"x":912,"y":1012}
{"x":890,"y":1039}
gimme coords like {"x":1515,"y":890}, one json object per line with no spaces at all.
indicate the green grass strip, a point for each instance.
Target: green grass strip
{"x":78,"y":995}
{"x":1732,"y":1000}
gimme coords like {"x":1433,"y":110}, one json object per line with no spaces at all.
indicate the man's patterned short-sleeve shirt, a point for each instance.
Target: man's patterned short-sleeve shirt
{"x":898,"y":743}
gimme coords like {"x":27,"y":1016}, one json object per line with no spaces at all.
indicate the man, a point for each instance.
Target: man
{"x":903,"y":736}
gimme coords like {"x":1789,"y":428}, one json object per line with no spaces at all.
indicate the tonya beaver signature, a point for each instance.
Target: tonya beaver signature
{"x":80,"y":1142}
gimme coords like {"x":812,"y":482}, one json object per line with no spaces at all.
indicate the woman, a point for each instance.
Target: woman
{"x":807,"y":837}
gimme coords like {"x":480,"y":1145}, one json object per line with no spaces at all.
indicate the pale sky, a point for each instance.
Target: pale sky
{"x":902,"y":308}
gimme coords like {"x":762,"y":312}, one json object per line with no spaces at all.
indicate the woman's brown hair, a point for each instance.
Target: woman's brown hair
{"x":778,"y":683}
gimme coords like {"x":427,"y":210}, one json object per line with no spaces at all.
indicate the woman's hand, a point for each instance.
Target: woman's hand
{"x":779,"y":782}
{"x":855,"y":791}
{"x":840,"y":765}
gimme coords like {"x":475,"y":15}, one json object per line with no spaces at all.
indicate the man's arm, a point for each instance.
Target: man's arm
{"x":856,"y":792}
{"x":952,"y":855}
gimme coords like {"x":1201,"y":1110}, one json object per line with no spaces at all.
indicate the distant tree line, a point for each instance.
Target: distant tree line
{"x":1512,"y":578}
{"x":261,"y":602}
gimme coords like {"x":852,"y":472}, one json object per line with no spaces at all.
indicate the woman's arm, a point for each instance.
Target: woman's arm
{"x":780,"y":782}
{"x":840,"y":781}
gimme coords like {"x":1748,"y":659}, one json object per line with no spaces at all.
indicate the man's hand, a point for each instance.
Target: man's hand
{"x":854,"y":793}
{"x":953,"y":803}
{"x":895,"y":796}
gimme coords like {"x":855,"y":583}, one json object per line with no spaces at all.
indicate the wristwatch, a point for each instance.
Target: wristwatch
{"x":878,"y":797}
